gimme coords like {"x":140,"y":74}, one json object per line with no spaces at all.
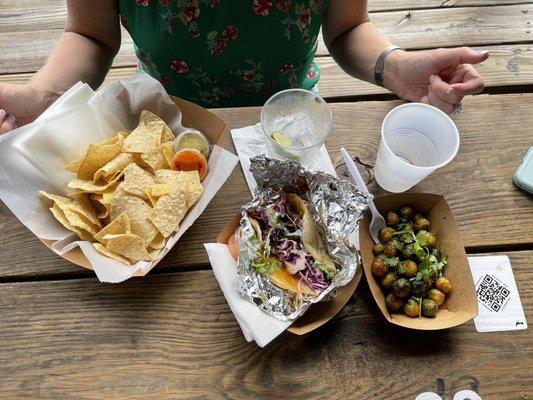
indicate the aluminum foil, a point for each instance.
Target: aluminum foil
{"x":336,"y":207}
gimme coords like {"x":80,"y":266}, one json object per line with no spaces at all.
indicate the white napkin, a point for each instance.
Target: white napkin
{"x":33,"y":158}
{"x":250,"y":142}
{"x":255,"y":324}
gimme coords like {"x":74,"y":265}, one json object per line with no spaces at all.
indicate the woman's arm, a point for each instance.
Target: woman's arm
{"x":84,"y":53}
{"x":441,"y":77}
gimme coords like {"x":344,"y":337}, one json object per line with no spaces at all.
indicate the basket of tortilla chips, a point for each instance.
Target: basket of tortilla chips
{"x":120,"y":192}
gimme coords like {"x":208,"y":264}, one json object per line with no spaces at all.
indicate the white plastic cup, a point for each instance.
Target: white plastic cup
{"x":416,"y":139}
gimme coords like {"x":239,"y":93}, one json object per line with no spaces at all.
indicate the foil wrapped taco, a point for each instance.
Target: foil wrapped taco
{"x":294,"y":237}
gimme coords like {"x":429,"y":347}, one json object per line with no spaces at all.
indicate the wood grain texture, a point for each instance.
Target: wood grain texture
{"x":464,"y":26}
{"x":508,"y":66}
{"x":29,"y":34}
{"x":173,"y":336}
{"x":477,"y":185}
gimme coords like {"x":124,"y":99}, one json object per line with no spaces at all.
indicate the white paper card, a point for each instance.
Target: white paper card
{"x":499,"y":303}
{"x":250,"y":142}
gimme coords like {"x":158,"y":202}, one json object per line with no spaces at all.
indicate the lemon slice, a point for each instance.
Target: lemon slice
{"x":282,"y":139}
{"x":192,"y":140}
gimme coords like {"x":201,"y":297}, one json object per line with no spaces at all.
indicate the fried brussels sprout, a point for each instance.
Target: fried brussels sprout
{"x":388,"y":280}
{"x":408,"y":250}
{"x":390,"y":249}
{"x":412,"y":308}
{"x":420,"y":287}
{"x":429,"y":308}
{"x":379,"y":267}
{"x":401,"y":287}
{"x":436,"y":295}
{"x":431,"y":240}
{"x":407,"y":213}
{"x":444,"y":285}
{"x":385,"y":234}
{"x":378,"y":248}
{"x":421,"y":225}
{"x":392,"y":219}
{"x":408,"y":269}
{"x":393,"y":303}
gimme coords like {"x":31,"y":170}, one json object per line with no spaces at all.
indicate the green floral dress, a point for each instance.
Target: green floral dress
{"x":223,"y":53}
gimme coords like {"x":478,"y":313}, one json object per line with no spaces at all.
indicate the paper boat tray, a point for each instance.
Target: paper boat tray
{"x":461,"y":305}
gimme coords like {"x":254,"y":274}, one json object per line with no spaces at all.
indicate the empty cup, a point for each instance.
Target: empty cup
{"x":416,"y":139}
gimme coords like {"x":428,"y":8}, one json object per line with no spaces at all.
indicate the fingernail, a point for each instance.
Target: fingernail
{"x":483,"y":52}
{"x":451,"y":91}
{"x":2,"y":114}
{"x":11,"y":118}
{"x":432,"y":78}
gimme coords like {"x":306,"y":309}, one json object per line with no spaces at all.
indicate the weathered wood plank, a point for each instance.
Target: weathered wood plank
{"x":471,"y":26}
{"x":173,"y":336}
{"x":28,"y":37}
{"x":508,"y":65}
{"x":478,"y":184}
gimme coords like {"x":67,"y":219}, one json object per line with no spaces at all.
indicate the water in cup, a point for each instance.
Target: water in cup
{"x":296,"y":123}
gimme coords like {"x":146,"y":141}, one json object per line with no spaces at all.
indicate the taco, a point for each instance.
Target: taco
{"x":290,"y":250}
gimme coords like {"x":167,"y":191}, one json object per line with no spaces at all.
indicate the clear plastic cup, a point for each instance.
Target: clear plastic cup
{"x":416,"y":139}
{"x":296,"y":123}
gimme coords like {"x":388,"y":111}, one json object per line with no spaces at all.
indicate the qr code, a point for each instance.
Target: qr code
{"x":492,"y":293}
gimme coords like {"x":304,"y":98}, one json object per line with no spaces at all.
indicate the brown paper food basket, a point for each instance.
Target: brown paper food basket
{"x":193,"y":116}
{"x":319,"y":313}
{"x":461,"y":305}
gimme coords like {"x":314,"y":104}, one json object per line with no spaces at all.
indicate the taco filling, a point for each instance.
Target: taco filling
{"x":290,"y":251}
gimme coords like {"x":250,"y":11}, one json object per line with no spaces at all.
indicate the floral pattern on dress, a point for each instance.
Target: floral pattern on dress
{"x":302,"y":20}
{"x":253,"y":79}
{"x":217,"y":43}
{"x":188,"y":12}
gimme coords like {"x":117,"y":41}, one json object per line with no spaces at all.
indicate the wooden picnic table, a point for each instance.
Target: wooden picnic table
{"x":172,"y":335}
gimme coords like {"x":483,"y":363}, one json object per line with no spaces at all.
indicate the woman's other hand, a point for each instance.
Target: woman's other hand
{"x":440,"y":77}
{"x":20,"y":105}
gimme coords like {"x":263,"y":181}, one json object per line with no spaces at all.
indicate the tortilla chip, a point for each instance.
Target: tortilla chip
{"x":146,"y":136}
{"x":118,"y":226}
{"x":157,"y":190}
{"x":90,"y":186}
{"x":60,"y":216}
{"x":158,"y":243}
{"x":75,"y":213}
{"x":97,"y":156}
{"x":155,"y":159}
{"x":168,"y":153}
{"x":111,"y":254}
{"x":136,"y":180}
{"x":137,"y":210}
{"x":74,"y":165}
{"x":128,"y":245}
{"x":169,"y":212}
{"x":188,"y":180}
{"x":166,"y":134}
{"x":113,"y":167}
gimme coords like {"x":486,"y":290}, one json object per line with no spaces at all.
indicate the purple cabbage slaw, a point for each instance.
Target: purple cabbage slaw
{"x":282,"y":231}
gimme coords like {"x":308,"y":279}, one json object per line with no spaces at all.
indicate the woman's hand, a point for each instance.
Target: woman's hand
{"x":20,"y":105}
{"x":440,"y":77}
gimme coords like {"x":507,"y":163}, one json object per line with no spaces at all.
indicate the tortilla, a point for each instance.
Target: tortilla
{"x":110,"y":254}
{"x":128,"y":245}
